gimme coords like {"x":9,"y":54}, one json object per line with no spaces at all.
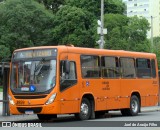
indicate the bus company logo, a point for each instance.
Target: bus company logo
{"x":87,"y":83}
{"x":6,"y":124}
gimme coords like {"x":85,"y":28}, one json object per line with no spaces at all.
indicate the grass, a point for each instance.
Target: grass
{"x":1,"y":89}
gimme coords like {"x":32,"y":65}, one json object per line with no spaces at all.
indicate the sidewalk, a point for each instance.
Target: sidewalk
{"x":147,"y":109}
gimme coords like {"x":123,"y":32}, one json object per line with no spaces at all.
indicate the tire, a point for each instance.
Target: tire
{"x":85,"y":110}
{"x":134,"y":107}
{"x":46,"y":116}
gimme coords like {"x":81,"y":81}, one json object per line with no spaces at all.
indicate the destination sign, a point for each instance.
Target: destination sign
{"x":35,"y":53}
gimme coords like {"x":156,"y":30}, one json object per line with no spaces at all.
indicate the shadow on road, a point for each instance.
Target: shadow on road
{"x":71,"y":118}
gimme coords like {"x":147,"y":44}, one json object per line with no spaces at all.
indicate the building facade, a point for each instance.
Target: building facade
{"x":150,"y":9}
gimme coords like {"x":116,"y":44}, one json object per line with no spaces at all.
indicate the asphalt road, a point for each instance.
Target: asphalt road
{"x":111,"y":121}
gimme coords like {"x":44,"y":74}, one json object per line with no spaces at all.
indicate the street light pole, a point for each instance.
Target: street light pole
{"x":151,"y":33}
{"x":101,"y":45}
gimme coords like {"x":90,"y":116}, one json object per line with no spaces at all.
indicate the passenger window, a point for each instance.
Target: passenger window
{"x":90,"y":66}
{"x":68,"y":79}
{"x":110,"y":67}
{"x":153,"y":65}
{"x":128,"y":67}
{"x":143,"y":68}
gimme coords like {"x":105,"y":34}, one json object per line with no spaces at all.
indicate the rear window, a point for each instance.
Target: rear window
{"x":143,"y":68}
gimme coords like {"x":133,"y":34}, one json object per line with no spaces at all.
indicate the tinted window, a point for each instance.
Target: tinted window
{"x":143,"y":68}
{"x":128,"y":67}
{"x":68,"y":79}
{"x":153,"y":65}
{"x":110,"y":67}
{"x":90,"y":66}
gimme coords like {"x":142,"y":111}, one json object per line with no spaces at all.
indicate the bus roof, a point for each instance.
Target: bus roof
{"x":93,"y":51}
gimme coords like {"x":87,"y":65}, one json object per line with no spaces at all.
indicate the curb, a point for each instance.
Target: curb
{"x":147,"y":109}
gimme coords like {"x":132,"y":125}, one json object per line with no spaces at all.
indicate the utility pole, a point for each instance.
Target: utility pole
{"x":101,"y":45}
{"x":100,"y":29}
{"x":151,"y":33}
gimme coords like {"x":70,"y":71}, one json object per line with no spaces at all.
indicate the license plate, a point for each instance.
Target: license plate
{"x":20,"y":102}
{"x":29,"y":112}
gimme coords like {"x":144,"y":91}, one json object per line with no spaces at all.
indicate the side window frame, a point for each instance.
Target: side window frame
{"x":111,"y":72}
{"x":96,"y":72}
{"x":124,"y":69}
{"x":65,"y":81}
{"x":153,"y":68}
{"x":141,"y":70}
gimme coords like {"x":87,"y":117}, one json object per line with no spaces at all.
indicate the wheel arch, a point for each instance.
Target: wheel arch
{"x":136,"y":93}
{"x":91,"y":99}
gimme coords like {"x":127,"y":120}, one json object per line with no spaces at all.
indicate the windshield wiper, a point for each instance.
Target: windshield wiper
{"x":39,"y":66}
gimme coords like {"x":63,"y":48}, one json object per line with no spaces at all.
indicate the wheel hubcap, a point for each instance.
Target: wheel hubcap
{"x":84,"y":109}
{"x":134,"y":106}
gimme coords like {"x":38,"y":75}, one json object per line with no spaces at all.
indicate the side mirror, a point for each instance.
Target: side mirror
{"x":66,"y":66}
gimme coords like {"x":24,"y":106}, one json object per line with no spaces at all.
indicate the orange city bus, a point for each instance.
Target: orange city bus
{"x":53,"y":80}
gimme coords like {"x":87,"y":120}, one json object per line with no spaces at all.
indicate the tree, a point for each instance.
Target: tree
{"x":94,"y":6}
{"x":115,"y":24}
{"x":126,"y":33}
{"x":24,"y":23}
{"x":4,"y":53}
{"x":156,"y":49}
{"x":53,"y":5}
{"x":74,"y":25}
{"x":137,"y":34}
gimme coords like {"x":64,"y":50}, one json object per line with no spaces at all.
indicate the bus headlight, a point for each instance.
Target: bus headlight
{"x":51,"y":99}
{"x":10,"y":100}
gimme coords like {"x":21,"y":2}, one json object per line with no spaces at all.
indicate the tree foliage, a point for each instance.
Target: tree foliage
{"x":156,"y":48}
{"x":73,"y":25}
{"x":94,"y":6}
{"x":24,"y":23}
{"x":4,"y":53}
{"x":52,"y":4}
{"x":137,"y":34}
{"x":126,"y":33}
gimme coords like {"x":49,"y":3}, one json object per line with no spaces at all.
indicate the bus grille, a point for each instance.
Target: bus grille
{"x":34,"y":109}
{"x":30,"y":97}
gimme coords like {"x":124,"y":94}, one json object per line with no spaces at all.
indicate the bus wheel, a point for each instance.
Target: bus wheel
{"x":134,"y":106}
{"x":85,"y":110}
{"x":46,"y":116}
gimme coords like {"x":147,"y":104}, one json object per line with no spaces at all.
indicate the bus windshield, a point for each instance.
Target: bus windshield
{"x":33,"y":76}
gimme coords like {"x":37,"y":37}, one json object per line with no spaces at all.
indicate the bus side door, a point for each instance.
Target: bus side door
{"x":69,"y":87}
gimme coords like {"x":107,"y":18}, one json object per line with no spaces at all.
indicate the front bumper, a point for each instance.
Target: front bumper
{"x":53,"y":108}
